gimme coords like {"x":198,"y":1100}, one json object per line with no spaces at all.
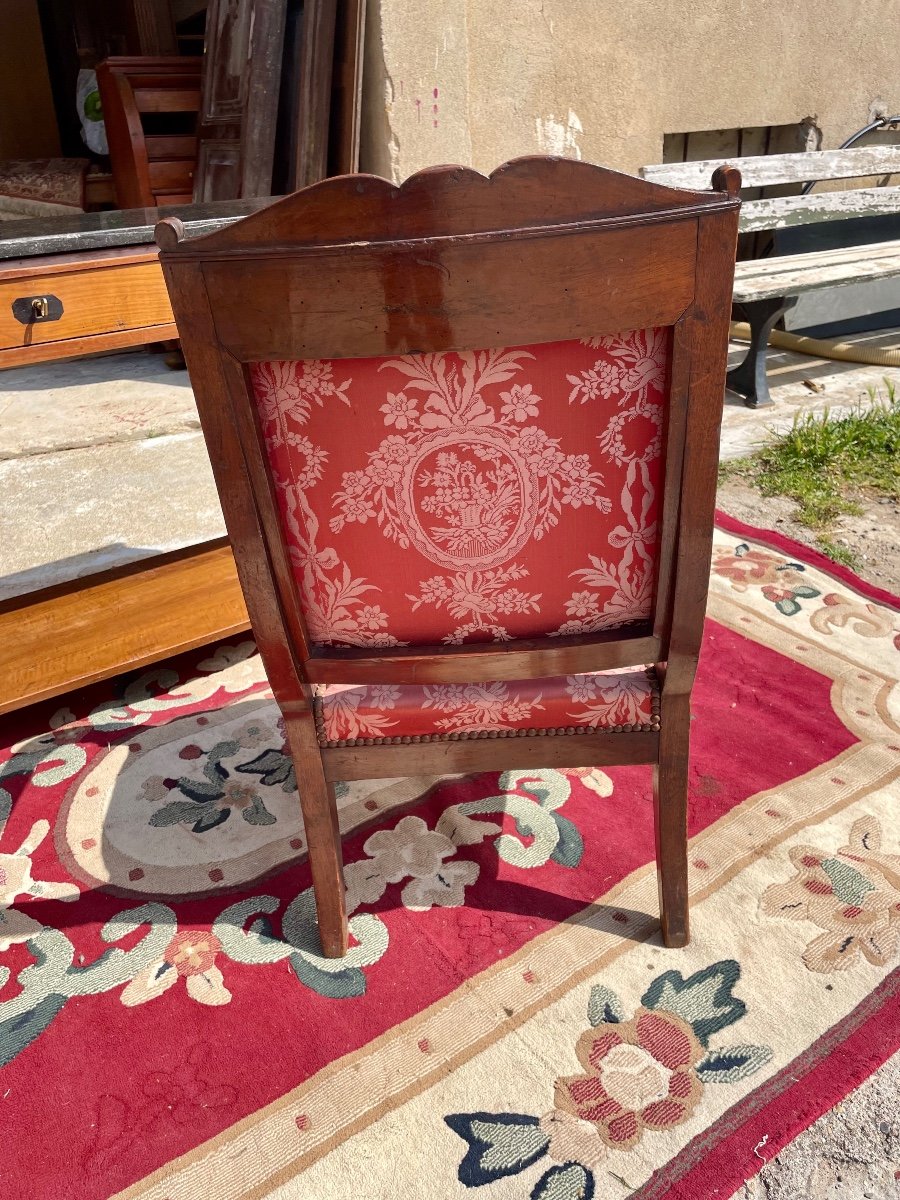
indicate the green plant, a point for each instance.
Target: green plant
{"x":822,"y":459}
{"x":826,"y":462}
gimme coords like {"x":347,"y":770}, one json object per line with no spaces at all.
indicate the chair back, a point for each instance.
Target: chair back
{"x":479,"y":495}
{"x":467,"y":428}
{"x":150,"y":108}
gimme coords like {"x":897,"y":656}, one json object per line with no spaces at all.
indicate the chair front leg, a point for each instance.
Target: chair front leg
{"x":323,"y":837}
{"x":670,"y":788}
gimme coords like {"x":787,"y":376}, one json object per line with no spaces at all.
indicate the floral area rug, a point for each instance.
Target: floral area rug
{"x":506,"y":1023}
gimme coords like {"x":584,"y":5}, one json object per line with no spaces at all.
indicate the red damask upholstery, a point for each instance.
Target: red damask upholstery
{"x":469,"y":497}
{"x":612,"y":700}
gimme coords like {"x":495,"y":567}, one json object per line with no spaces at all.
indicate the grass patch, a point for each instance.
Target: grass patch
{"x":839,"y":554}
{"x":826,"y":463}
{"x":823,"y":462}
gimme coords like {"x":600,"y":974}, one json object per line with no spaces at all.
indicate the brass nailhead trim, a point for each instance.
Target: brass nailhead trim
{"x":469,"y":735}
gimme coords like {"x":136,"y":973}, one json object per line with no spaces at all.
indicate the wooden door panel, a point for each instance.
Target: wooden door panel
{"x":239,"y":104}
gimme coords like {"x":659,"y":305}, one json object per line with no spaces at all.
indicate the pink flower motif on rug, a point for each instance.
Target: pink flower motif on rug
{"x":853,"y":895}
{"x":639,"y":1075}
{"x":780,"y":581}
{"x":190,"y":955}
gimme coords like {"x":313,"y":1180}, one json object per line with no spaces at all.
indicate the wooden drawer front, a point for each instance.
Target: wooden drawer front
{"x":107,"y":299}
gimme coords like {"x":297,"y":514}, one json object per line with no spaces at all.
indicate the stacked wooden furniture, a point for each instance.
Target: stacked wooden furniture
{"x":547,"y":257}
{"x":151,"y":169}
{"x":766,"y":288}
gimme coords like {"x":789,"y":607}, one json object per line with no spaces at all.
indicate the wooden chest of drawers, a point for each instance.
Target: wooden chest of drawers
{"x":109,"y":299}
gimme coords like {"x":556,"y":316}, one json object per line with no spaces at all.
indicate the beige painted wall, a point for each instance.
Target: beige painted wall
{"x":478,"y":82}
{"x":27,"y":117}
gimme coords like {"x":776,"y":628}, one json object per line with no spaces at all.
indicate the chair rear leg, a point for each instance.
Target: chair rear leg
{"x":323,"y":839}
{"x":670,"y":787}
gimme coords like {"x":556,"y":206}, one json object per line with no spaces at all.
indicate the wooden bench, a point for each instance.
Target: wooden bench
{"x":766,"y":288}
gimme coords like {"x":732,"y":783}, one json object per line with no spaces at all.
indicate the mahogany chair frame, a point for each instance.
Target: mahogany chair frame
{"x":542,"y":250}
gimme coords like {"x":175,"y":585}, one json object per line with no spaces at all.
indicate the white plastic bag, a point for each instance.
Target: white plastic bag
{"x":90,"y":113}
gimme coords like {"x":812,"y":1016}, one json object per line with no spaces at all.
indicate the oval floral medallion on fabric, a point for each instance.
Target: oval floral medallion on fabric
{"x":466,"y":500}
{"x":199,"y":804}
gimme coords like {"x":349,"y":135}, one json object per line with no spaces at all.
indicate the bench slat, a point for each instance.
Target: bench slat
{"x":791,"y":274}
{"x":766,"y":170}
{"x":785,"y":211}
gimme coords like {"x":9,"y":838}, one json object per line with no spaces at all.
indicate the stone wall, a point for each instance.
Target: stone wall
{"x":478,"y":82}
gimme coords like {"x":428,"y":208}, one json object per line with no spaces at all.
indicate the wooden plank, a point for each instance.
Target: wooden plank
{"x":92,"y":628}
{"x":171,"y":175}
{"x":63,"y":264}
{"x":41,"y":352}
{"x":473,"y":755}
{"x":124,"y":232}
{"x":791,"y":274}
{"x":525,"y":659}
{"x":168,"y":199}
{"x":167,"y":99}
{"x":108,"y":301}
{"x":346,"y":118}
{"x":766,"y":170}
{"x":399,"y":288}
{"x":178,"y":145}
{"x":787,"y":211}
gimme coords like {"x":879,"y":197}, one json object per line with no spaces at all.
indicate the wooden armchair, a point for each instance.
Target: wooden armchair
{"x":465,"y":434}
{"x":151,"y":167}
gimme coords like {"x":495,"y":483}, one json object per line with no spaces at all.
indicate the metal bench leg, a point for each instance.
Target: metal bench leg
{"x":748,"y":378}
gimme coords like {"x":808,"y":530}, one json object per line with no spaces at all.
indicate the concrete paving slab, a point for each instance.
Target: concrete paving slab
{"x":799,"y":383}
{"x":72,"y":512}
{"x":92,"y":401}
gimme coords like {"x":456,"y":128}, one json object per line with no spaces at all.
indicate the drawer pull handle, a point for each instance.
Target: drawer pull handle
{"x":30,"y":310}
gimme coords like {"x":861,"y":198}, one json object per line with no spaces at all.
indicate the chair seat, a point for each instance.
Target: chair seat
{"x":600,"y":702}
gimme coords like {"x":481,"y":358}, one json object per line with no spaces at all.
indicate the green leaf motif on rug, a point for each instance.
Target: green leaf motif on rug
{"x":338,"y":985}
{"x":570,"y":846}
{"x":850,"y":886}
{"x":499,"y":1144}
{"x":604,"y":1006}
{"x":18,"y":1032}
{"x":805,"y":591}
{"x":704,"y":999}
{"x":571,"y":1181}
{"x":272,"y":767}
{"x":732,"y":1063}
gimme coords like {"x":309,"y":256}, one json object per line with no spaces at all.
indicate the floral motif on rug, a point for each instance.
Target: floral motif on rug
{"x":640,"y":1075}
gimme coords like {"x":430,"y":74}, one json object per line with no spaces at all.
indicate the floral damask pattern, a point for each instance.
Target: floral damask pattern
{"x":602,"y":700}
{"x":492,"y":465}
